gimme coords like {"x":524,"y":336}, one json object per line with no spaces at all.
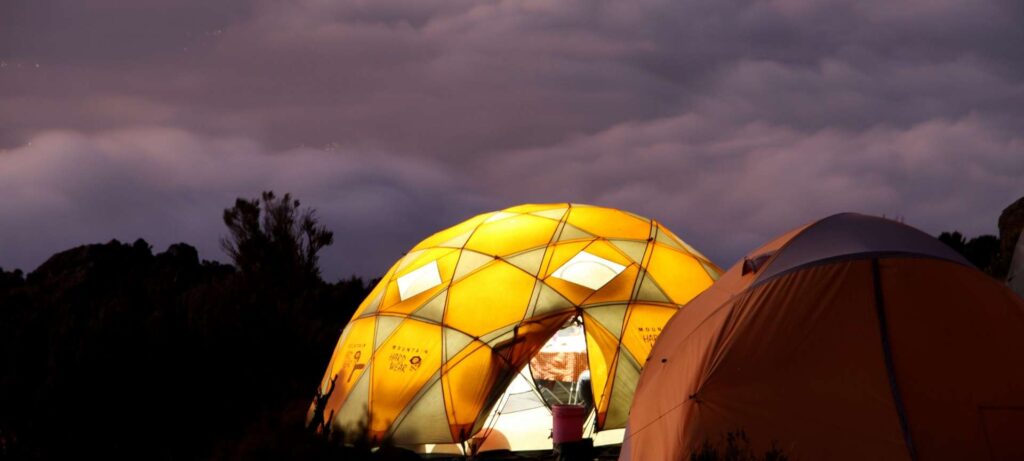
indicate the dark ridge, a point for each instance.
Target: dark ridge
{"x":111,"y":351}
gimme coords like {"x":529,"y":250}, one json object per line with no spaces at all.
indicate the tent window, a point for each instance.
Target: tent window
{"x":756,"y":263}
{"x":419,"y":280}
{"x":588,"y":270}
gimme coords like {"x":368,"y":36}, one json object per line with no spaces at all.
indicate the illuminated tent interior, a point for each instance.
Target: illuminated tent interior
{"x":437,"y":342}
{"x":854,"y":337}
{"x":521,"y":419}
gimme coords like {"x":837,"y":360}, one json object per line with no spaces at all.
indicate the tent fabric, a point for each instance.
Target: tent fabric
{"x":437,"y":341}
{"x":876,"y":351}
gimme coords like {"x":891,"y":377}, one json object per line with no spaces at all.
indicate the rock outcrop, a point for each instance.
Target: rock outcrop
{"x":1011,"y":223}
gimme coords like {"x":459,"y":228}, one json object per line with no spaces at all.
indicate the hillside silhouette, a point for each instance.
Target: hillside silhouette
{"x":114,"y":351}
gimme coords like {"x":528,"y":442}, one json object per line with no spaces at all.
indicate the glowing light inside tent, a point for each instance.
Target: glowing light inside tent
{"x":419,"y":280}
{"x":588,"y":270}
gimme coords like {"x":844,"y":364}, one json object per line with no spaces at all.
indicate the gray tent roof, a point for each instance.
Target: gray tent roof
{"x":848,"y":235}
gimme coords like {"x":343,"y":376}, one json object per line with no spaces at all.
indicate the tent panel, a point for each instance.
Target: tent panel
{"x":498,"y":216}
{"x":469,"y":261}
{"x":529,"y":231}
{"x":547,"y":301}
{"x":571,"y":291}
{"x":476,"y":307}
{"x":458,"y":241}
{"x":353,"y":355}
{"x":664,"y":238}
{"x":454,"y":342}
{"x":400,"y":367}
{"x":603,"y":249}
{"x":353,"y":413}
{"x":426,"y":419}
{"x":644,"y":324}
{"x":602,"y":348}
{"x":588,"y":270}
{"x":555,"y":214}
{"x":613,"y":290}
{"x":647,"y":290}
{"x":610,"y":317}
{"x":609,"y":223}
{"x":468,"y":380}
{"x":571,"y":232}
{"x":665,"y":232}
{"x":412,"y":304}
{"x":627,"y":373}
{"x":386,"y":325}
{"x":559,"y":254}
{"x":433,"y":310}
{"x":679,"y":275}
{"x":417,"y":259}
{"x":634,"y":249}
{"x":713,"y":272}
{"x":529,"y":261}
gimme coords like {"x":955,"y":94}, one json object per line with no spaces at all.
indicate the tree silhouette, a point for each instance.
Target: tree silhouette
{"x":982,"y":251}
{"x":274,"y":235}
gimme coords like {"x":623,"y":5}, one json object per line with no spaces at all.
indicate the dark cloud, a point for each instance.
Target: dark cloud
{"x":167,"y":185}
{"x":731,"y":121}
{"x":100,"y":32}
{"x":728,"y":188}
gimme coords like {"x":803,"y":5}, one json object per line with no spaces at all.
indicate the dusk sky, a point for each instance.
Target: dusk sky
{"x":728,"y":121}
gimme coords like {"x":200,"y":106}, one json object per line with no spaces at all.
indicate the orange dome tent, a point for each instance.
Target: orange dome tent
{"x":438,"y":340}
{"x":854,"y":338}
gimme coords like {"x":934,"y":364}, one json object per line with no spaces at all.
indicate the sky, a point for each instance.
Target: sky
{"x":728,"y":121}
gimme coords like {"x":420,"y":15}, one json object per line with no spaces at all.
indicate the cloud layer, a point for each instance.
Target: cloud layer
{"x":168,"y":185}
{"x":730,"y":121}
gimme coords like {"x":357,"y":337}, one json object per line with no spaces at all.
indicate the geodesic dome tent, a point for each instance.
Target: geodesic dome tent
{"x":438,"y":340}
{"x":854,"y":337}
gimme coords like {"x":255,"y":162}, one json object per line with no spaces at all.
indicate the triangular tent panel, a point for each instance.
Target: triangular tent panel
{"x":469,"y":305}
{"x":851,"y":338}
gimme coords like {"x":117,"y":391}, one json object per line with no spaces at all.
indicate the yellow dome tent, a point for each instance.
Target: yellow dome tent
{"x":438,"y":340}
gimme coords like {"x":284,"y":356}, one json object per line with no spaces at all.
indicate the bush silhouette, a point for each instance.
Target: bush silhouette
{"x":982,"y":251}
{"x":734,"y":446}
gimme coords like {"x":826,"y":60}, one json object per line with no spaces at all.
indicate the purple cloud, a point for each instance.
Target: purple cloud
{"x":730,"y":121}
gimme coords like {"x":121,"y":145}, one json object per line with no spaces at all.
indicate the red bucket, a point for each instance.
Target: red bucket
{"x":567,"y":424}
